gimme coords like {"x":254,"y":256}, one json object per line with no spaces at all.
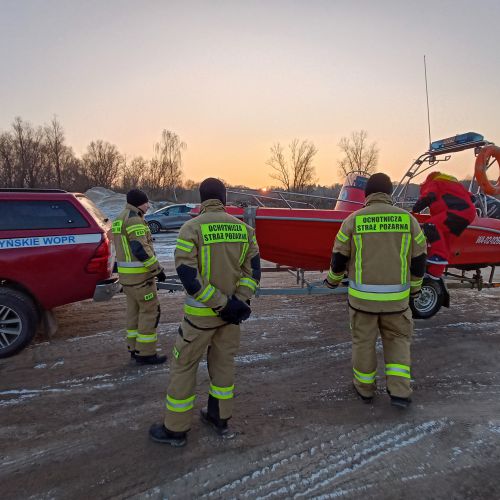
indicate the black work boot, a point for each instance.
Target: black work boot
{"x":219,"y":425}
{"x":366,"y":399}
{"x":400,"y":402}
{"x":160,"y":434}
{"x":132,"y":354}
{"x":150,"y":360}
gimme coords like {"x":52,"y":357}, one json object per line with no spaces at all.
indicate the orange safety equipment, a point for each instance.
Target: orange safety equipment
{"x":482,"y":163}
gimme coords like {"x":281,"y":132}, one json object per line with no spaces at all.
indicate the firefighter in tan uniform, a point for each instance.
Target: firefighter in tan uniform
{"x":217,"y":260}
{"x":385,"y":252}
{"x":138,"y":269}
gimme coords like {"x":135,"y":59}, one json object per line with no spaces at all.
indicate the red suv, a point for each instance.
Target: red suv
{"x":54,"y":249}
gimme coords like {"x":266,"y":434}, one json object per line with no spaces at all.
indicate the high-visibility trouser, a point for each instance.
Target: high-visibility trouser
{"x":396,"y":331}
{"x":190,"y":346}
{"x":143,"y":315}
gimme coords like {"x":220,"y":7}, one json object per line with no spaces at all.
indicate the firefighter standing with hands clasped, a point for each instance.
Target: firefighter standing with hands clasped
{"x":384,"y":250}
{"x":138,"y":269}
{"x":217,"y":260}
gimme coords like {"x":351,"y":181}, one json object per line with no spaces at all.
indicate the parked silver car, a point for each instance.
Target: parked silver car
{"x":171,"y":217}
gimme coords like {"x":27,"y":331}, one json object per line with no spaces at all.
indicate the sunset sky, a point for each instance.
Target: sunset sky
{"x":233,"y":77}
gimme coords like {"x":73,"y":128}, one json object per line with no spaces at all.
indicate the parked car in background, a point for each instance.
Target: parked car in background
{"x":54,"y":250}
{"x":171,"y":217}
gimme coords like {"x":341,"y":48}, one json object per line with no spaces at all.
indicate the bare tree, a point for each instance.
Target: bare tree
{"x":191,"y":185}
{"x":7,"y":160}
{"x":101,"y":163}
{"x":29,"y":148}
{"x":297,"y":172}
{"x":134,"y":173}
{"x":57,"y":152}
{"x":359,"y":156}
{"x":166,"y":166}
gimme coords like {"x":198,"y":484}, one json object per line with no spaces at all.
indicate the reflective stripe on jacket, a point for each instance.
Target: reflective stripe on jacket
{"x":216,"y":256}
{"x":135,"y":257}
{"x":380,"y":240}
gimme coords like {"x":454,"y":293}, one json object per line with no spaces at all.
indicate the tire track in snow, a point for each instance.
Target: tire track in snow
{"x":275,"y":478}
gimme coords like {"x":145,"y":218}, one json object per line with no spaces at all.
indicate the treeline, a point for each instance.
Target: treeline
{"x":39,"y":157}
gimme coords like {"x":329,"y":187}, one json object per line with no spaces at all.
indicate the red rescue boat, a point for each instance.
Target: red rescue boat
{"x":302,"y":238}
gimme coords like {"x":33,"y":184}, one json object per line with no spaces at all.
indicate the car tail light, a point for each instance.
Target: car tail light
{"x":100,"y":261}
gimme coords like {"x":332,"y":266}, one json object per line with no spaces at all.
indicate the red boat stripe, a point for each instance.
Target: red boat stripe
{"x":490,"y":229}
{"x":307,"y":219}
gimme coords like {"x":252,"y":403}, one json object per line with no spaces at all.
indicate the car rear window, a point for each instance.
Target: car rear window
{"x":39,"y":214}
{"x":93,"y":210}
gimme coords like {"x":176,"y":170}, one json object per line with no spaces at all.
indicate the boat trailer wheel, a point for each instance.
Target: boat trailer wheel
{"x":430,"y":300}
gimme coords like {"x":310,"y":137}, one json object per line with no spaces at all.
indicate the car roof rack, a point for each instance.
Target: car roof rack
{"x":31,"y":190}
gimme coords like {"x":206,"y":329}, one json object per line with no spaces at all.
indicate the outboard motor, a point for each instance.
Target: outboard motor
{"x":352,"y":190}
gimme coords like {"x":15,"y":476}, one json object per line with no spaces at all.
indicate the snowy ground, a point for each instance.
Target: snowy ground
{"x":74,"y":412}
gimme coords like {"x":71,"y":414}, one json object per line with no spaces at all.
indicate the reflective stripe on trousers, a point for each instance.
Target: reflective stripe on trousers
{"x":132,"y":334}
{"x":179,"y":405}
{"x":146,"y":338}
{"x":221,"y":392}
{"x":397,"y":370}
{"x":364,"y":378}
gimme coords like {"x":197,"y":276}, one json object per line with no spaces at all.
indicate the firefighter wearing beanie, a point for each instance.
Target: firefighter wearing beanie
{"x":138,"y":269}
{"x":217,"y":260}
{"x":383,"y":250}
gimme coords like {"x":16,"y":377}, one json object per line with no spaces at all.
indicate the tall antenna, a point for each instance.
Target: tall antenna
{"x":427,"y":96}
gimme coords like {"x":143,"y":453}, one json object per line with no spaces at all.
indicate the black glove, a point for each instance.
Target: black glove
{"x":161,"y":276}
{"x":235,"y":311}
{"x":415,"y":295}
{"x":419,"y":206}
{"x":329,"y":285}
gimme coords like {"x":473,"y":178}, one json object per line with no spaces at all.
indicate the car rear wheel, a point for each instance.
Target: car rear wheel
{"x":154,"y":227}
{"x":430,"y":300}
{"x":18,"y":321}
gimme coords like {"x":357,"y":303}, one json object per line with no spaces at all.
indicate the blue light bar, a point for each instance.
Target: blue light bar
{"x":456,"y":140}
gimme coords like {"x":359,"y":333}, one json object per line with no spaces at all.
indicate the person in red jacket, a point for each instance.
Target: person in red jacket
{"x":452,"y":210}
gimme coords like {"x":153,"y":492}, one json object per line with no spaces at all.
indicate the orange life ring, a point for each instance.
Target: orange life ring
{"x":482,"y":160}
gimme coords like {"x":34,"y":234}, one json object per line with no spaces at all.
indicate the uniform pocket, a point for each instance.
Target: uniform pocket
{"x":408,"y":317}
{"x":352,"y":318}
{"x":186,"y":336}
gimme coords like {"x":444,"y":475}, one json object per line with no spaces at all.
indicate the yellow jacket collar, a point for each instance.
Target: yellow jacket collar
{"x":379,"y":198}
{"x":128,"y":206}
{"x":211,"y":206}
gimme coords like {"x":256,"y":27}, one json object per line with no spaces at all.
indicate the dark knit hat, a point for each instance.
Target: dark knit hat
{"x":136,"y":197}
{"x":378,"y":183}
{"x":212,"y":189}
